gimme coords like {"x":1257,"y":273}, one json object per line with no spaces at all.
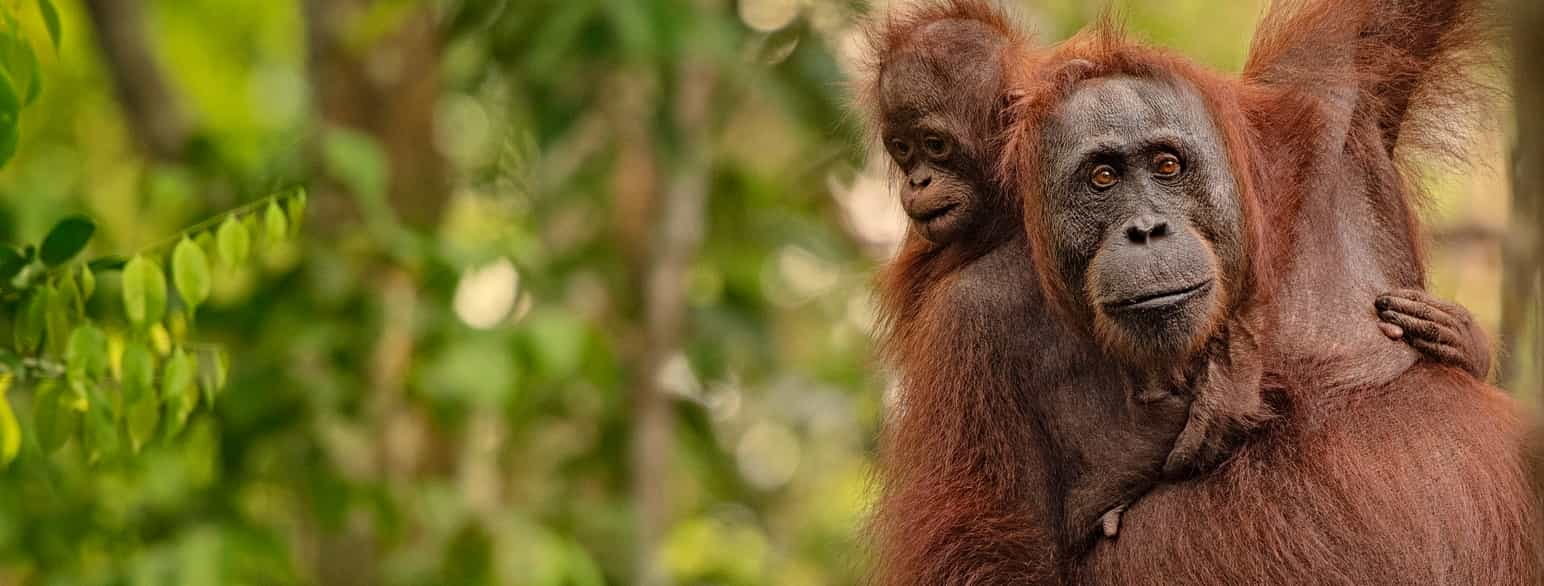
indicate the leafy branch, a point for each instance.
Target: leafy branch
{"x":112,"y":390}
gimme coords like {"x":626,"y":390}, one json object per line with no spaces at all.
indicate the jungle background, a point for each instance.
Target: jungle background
{"x":581,"y":296}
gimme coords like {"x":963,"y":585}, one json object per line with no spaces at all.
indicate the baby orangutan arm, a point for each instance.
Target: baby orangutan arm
{"x":1441,"y":330}
{"x":1226,"y":404}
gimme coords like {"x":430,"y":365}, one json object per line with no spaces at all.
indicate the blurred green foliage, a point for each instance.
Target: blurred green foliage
{"x":450,"y":402}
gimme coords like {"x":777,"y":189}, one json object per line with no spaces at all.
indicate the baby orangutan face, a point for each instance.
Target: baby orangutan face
{"x":938,"y":113}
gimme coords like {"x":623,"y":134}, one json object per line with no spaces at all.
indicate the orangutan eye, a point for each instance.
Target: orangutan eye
{"x":936,"y":147}
{"x":1166,"y":166}
{"x":901,"y":148}
{"x":1104,"y":177}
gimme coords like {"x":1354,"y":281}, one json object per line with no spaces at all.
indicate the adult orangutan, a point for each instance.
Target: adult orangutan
{"x":1011,"y":438}
{"x":1168,"y":207}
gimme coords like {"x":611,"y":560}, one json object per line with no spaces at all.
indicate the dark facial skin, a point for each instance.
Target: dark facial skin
{"x":1145,"y":219}
{"x":935,"y":115}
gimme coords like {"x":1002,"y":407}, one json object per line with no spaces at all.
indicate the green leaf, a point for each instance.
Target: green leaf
{"x":205,"y":242}
{"x":234,"y":241}
{"x":101,"y":429}
{"x":190,"y":271}
{"x":10,"y":431}
{"x":297,"y":209}
{"x":251,"y":224}
{"x":212,"y":372}
{"x":144,"y":292}
{"x":27,"y":333}
{"x":177,"y":387}
{"x":138,"y":372}
{"x":34,"y":74}
{"x":51,"y":21}
{"x":69,"y":286}
{"x":19,"y":63}
{"x":142,"y":418}
{"x":86,"y":357}
{"x":66,"y":239}
{"x":54,"y":420}
{"x":63,"y":305}
{"x":87,"y":283}
{"x":274,"y":222}
{"x":10,"y":110}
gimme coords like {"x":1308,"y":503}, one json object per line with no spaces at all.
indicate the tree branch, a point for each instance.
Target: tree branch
{"x":677,"y":236}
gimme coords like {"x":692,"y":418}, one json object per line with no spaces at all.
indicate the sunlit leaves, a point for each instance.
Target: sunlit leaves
{"x":144,"y":292}
{"x":79,"y":376}
{"x":158,"y":379}
{"x":190,"y":271}
{"x":233,"y":241}
{"x":86,"y":356}
{"x":275,"y":224}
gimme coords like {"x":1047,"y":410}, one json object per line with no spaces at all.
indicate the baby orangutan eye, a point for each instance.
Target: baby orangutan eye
{"x":901,"y":148}
{"x":936,"y":147}
{"x":1166,"y":166}
{"x":1104,"y":177}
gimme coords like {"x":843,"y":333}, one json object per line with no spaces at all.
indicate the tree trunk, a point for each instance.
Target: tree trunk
{"x":1520,"y":294}
{"x":150,"y":108}
{"x":387,"y":88}
{"x":677,"y":235}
